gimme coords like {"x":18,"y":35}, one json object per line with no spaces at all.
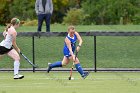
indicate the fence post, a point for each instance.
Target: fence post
{"x":95,"y":53}
{"x":33,"y":52}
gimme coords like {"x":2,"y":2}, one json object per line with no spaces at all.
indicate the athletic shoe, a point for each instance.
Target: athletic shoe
{"x":17,"y":76}
{"x":49,"y":67}
{"x":85,"y":75}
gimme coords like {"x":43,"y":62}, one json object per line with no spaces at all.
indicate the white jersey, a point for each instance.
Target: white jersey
{"x":7,"y":42}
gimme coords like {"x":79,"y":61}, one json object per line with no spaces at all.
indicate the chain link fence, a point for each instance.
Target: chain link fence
{"x":100,"y":51}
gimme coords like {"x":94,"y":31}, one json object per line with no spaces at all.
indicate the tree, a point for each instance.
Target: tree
{"x":61,"y":8}
{"x":23,"y":9}
{"x":4,"y":11}
{"x":74,"y":17}
{"x":111,"y":11}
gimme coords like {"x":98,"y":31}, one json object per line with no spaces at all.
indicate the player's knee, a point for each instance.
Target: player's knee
{"x":77,"y":61}
{"x":64,"y":64}
{"x":17,"y":58}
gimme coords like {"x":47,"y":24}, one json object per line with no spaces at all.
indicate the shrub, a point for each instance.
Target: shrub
{"x":30,"y":23}
{"x":74,"y":17}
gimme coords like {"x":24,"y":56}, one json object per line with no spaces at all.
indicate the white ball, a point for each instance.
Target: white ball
{"x":72,"y":78}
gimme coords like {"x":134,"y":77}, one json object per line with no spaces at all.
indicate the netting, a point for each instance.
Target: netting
{"x":112,"y":51}
{"x":25,"y":45}
{"x":48,"y":49}
{"x":118,"y":52}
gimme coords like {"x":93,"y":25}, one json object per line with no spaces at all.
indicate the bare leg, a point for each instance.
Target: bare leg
{"x":76,"y":60}
{"x":15,"y":56}
{"x":64,"y":62}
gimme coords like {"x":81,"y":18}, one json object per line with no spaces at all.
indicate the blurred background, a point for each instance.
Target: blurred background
{"x":76,"y":12}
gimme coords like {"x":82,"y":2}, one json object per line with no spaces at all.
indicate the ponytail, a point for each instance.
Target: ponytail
{"x":14,"y":21}
{"x":8,"y":26}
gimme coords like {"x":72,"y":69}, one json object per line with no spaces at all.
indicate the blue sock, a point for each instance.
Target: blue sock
{"x":56,"y":64}
{"x":79,"y":68}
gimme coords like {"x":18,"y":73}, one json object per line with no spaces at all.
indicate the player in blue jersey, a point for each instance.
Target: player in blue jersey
{"x":68,"y":51}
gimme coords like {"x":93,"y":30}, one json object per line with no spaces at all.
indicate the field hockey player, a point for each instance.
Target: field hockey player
{"x":68,"y":51}
{"x":8,"y":46}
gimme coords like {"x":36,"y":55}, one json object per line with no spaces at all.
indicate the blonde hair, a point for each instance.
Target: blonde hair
{"x":13,"y":22}
{"x":71,"y":27}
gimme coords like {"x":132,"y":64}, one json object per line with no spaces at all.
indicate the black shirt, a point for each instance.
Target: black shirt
{"x":44,"y":3}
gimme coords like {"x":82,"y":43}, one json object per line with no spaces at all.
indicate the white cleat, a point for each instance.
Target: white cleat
{"x":17,"y":76}
{"x":49,"y":64}
{"x":49,"y":68}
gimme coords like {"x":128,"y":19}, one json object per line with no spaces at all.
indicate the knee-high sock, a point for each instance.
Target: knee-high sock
{"x":16,"y":67}
{"x":79,"y":69}
{"x":56,"y":64}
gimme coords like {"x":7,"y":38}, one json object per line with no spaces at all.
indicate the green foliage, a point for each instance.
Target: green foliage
{"x":127,"y":9}
{"x":23,"y":9}
{"x":112,"y":11}
{"x":74,"y":17}
{"x":4,"y":7}
{"x":58,"y":4}
{"x":60,"y":9}
{"x":95,"y":11}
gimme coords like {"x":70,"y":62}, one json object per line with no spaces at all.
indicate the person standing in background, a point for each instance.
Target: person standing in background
{"x":44,"y":9}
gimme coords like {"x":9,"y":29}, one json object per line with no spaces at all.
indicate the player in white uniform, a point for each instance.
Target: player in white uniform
{"x":8,"y":46}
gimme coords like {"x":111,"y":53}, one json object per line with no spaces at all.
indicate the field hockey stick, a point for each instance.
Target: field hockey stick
{"x":72,"y":66}
{"x":28,"y":60}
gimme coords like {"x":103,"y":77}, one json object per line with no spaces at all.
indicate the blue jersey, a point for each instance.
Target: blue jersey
{"x":73,"y":45}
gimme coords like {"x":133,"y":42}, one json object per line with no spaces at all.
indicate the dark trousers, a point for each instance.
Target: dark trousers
{"x":47,"y":18}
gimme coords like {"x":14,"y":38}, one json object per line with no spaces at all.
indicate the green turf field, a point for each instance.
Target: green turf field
{"x":80,"y":28}
{"x":41,"y":82}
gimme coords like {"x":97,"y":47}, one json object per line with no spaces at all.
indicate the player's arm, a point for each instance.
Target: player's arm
{"x":79,"y":40}
{"x":4,"y":33}
{"x":14,"y":42}
{"x":68,"y":43}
